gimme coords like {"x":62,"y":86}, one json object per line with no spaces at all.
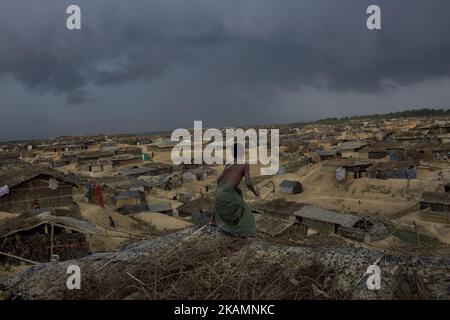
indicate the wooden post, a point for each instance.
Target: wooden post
{"x":51,"y":241}
{"x":417,"y":233}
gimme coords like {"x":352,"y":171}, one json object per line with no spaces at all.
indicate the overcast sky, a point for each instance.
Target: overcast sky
{"x":149,"y":65}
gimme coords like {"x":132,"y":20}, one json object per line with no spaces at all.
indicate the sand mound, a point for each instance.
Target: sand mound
{"x":365,"y":196}
{"x":162,"y":222}
{"x":5,"y":216}
{"x":127,"y":229}
{"x":99,"y":216}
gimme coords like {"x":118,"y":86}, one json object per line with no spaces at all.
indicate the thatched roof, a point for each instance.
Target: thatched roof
{"x":13,"y":175}
{"x":25,"y":222}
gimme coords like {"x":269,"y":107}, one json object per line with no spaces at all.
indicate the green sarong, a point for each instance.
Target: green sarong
{"x":232,"y":214}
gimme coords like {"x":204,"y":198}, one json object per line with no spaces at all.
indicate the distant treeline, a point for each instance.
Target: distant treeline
{"x":425,"y":112}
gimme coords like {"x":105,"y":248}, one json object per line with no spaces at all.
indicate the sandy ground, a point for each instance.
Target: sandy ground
{"x":366,"y":196}
{"x":160,"y":196}
{"x":109,"y":239}
{"x":162,"y":222}
{"x":68,"y":168}
{"x":99,"y":217}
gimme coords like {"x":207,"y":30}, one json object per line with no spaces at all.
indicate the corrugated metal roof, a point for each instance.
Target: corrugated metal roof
{"x":97,"y":162}
{"x":136,"y":171}
{"x":95,"y":154}
{"x":319,"y":214}
{"x":346,"y":162}
{"x":289,"y":183}
{"x":159,"y":207}
{"x":332,"y":152}
{"x":393,"y":165}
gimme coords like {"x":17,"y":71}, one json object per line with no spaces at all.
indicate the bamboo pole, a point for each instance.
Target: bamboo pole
{"x":18,"y":258}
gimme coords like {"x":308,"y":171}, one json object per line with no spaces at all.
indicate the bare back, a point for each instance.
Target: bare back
{"x":234,"y":173}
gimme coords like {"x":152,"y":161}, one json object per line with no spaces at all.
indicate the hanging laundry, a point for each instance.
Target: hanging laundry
{"x":53,"y":184}
{"x":4,"y":190}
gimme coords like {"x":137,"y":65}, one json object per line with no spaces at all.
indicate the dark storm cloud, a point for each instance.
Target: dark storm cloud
{"x":79,"y":96}
{"x":235,"y":54}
